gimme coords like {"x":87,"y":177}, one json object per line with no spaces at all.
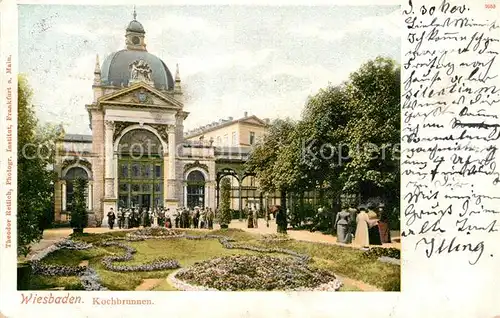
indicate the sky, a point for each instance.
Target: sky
{"x":232,"y":59}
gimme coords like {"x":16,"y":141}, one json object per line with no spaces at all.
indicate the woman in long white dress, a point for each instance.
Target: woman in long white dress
{"x":361,"y":238}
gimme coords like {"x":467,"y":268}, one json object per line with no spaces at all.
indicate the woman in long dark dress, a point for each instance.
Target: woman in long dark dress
{"x":383,"y":224}
{"x":280,"y":219}
{"x":373,"y":232}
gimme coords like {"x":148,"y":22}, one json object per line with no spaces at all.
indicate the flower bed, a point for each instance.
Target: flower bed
{"x":56,"y":270}
{"x":275,"y":238}
{"x":158,"y":264}
{"x":88,"y":277}
{"x":248,"y":272}
{"x":153,"y":233}
{"x":377,"y":252}
{"x":73,"y":245}
{"x":261,"y":272}
{"x":181,"y":285}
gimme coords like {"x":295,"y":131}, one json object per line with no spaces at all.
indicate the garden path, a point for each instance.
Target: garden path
{"x":304,"y":235}
{"x":149,"y":284}
{"x":84,"y":263}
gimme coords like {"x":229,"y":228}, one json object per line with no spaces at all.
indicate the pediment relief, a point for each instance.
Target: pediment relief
{"x":141,"y":94}
{"x":141,"y":97}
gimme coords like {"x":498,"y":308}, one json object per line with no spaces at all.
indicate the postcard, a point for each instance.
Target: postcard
{"x":250,"y":159}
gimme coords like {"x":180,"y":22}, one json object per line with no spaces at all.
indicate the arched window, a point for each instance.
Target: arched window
{"x":140,"y":142}
{"x":140,"y":170}
{"x":195,"y":189}
{"x":71,"y":175}
{"x":196,"y":176}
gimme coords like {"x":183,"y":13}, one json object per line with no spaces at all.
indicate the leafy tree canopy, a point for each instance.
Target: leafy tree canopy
{"x":346,"y":141}
{"x":35,"y":177}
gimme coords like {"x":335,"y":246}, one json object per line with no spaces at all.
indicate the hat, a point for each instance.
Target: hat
{"x":371,"y":206}
{"x":381,"y":205}
{"x":362,"y":207}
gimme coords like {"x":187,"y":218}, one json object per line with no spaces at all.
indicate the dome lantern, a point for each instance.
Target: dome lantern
{"x":135,"y":35}
{"x":135,"y":64}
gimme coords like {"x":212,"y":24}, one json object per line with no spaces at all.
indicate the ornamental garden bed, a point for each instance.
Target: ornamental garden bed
{"x":118,"y":268}
{"x":256,"y":272}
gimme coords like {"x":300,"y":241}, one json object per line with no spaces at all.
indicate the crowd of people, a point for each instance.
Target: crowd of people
{"x":365,"y":225}
{"x":181,"y":218}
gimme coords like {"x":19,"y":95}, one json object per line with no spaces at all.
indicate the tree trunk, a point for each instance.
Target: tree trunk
{"x":283,"y":209}
{"x":283,"y":199}
{"x":78,"y":231}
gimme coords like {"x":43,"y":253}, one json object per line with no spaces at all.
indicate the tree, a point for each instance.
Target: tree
{"x":275,"y":158}
{"x":346,"y":142}
{"x":225,"y":208}
{"x":374,"y":130}
{"x":35,"y":177}
{"x":79,"y":217}
{"x":325,"y":117}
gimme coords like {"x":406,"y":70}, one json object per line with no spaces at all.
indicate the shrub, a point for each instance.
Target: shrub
{"x":79,"y":217}
{"x":225,"y":210}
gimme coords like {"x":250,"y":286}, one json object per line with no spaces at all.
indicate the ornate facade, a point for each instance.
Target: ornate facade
{"x":138,"y":153}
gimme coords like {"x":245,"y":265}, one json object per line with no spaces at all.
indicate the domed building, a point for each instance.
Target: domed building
{"x":138,"y":155}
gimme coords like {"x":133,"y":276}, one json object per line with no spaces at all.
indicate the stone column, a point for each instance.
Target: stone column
{"x":171,"y":165}
{"x":172,"y":201}
{"x":109,"y":172}
{"x":89,"y":197}
{"x":240,"y":200}
{"x":58,"y":201}
{"x":108,"y":146}
{"x":209,"y":194}
{"x":97,"y":164}
{"x":63,"y":194}
{"x":185,"y":195}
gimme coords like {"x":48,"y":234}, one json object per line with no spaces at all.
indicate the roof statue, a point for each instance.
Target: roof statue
{"x":140,"y":71}
{"x":135,"y":64}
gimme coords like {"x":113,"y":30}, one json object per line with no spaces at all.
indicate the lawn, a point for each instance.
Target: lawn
{"x":344,"y":261}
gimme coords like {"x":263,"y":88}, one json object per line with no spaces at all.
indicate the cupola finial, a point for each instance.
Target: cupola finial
{"x":177,"y":74}
{"x":97,"y":71}
{"x":177,"y":84}
{"x":135,"y":13}
{"x":97,"y":68}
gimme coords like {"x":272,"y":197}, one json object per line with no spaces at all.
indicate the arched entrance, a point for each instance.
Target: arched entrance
{"x":251,"y":195}
{"x":71,"y":175}
{"x":140,"y":170}
{"x":195,"y":196}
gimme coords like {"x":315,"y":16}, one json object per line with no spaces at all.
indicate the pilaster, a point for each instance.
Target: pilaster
{"x":58,"y":201}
